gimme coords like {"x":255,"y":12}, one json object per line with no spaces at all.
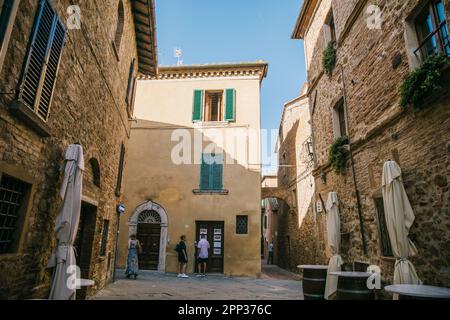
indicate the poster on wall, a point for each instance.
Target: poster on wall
{"x":218,"y":238}
{"x":218,"y":231}
{"x":203,"y":231}
{"x":217,"y":244}
{"x":217,"y":252}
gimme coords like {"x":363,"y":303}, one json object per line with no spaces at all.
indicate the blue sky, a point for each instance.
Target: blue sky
{"x":210,"y":31}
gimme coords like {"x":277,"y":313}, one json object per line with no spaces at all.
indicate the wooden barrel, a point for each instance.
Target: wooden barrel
{"x":314,"y":281}
{"x":354,"y":288}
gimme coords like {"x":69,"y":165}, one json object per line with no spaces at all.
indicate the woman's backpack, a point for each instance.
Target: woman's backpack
{"x":177,"y":248}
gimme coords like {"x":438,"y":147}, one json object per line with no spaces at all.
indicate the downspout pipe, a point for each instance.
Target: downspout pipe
{"x":352,"y":161}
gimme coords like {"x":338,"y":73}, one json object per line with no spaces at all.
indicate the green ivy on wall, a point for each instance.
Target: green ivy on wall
{"x":329,"y":58}
{"x":422,"y":82}
{"x":338,"y":154}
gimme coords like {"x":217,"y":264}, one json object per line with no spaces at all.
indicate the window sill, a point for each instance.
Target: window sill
{"x":22,"y":112}
{"x":212,"y":124}
{"x":210,"y":192}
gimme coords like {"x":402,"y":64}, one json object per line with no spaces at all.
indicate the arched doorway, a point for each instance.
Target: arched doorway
{"x":149,"y":223}
{"x":149,"y":234}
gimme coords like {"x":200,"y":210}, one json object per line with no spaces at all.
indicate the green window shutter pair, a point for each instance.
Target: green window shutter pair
{"x":211,"y":172}
{"x":230,"y":105}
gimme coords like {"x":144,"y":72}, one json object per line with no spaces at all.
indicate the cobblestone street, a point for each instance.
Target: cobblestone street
{"x":275,"y":284}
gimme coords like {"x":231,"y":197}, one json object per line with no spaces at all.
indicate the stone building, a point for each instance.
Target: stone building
{"x":377,"y":44}
{"x":296,"y":243}
{"x":64,"y":81}
{"x":194,"y":167}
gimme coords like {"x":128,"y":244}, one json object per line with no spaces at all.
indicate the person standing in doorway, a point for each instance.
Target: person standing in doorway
{"x":134,"y":248}
{"x":270,"y":259}
{"x":203,"y":255}
{"x":182,"y":257}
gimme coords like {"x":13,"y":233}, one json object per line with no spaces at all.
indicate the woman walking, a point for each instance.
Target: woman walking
{"x":134,"y":248}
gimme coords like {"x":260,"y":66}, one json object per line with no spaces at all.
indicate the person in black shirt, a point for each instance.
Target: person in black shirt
{"x":182,"y":257}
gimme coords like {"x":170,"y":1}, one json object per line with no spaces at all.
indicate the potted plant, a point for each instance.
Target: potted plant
{"x":421,"y":83}
{"x":338,"y":154}
{"x":329,"y":58}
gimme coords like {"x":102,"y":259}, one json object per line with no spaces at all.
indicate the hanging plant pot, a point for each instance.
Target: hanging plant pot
{"x":420,"y":84}
{"x":338,"y":154}
{"x":329,"y":58}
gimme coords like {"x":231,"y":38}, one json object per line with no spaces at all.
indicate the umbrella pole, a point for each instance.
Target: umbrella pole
{"x":352,"y":161}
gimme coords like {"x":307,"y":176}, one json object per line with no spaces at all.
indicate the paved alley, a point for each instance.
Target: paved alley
{"x":275,"y":284}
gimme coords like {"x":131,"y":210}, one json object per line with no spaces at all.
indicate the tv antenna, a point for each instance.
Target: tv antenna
{"x":178,"y":53}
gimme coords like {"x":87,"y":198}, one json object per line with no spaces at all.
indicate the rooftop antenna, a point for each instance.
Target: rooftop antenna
{"x":178,"y":53}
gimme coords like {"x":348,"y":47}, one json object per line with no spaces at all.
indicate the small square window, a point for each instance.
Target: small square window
{"x":242,"y":225}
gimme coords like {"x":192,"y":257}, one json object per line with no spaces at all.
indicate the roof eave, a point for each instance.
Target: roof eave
{"x":304,"y":19}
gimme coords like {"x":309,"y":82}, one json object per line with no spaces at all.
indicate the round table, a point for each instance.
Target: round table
{"x":419,"y":292}
{"x":353,"y":286}
{"x":314,"y":281}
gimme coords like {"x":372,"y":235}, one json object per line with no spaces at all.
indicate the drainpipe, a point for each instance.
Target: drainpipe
{"x":352,"y":161}
{"x":117,"y":247}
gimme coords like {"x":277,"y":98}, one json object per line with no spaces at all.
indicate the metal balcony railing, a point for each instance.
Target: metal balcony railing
{"x":436,"y":43}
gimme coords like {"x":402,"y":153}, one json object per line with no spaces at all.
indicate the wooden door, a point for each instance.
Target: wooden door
{"x":149,"y":235}
{"x":215,"y":236}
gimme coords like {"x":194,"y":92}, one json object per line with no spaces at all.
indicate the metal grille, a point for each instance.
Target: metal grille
{"x":242,"y":225}
{"x":12,"y":194}
{"x":149,"y":217}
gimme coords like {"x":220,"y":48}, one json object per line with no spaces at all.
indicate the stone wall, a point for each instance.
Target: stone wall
{"x":381,"y":130}
{"x":88,"y":107}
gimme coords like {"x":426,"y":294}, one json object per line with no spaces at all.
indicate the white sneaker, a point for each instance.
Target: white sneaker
{"x":184,"y":276}
{"x":179,"y":275}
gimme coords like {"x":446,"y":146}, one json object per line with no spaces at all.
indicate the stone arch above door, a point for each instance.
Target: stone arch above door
{"x":149,"y":207}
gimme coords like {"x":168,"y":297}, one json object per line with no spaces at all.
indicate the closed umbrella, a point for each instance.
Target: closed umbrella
{"x":334,"y":241}
{"x":399,"y":219}
{"x":66,"y":225}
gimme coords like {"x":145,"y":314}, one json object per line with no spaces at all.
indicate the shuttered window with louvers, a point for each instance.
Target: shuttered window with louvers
{"x":42,"y":62}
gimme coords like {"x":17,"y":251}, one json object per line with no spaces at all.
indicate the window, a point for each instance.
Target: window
{"x":211,"y":172}
{"x":432,"y":30}
{"x":210,"y":106}
{"x":13,"y":198}
{"x":42,"y":61}
{"x":339,"y":120}
{"x":95,"y":167}
{"x":242,"y":225}
{"x":385,"y":242}
{"x":120,"y":172}
{"x":213,"y":106}
{"x":131,"y":87}
{"x":329,"y":29}
{"x":105,"y":232}
{"x":8,"y":10}
{"x":119,"y":28}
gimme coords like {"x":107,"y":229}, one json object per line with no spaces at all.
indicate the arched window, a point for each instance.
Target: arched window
{"x":149,"y":217}
{"x":120,"y":24}
{"x":95,"y":167}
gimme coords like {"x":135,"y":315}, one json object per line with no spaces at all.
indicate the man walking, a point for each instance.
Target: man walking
{"x":270,"y":259}
{"x":203,"y":245}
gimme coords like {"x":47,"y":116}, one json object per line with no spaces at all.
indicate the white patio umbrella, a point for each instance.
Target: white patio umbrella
{"x":66,"y":225}
{"x":334,"y":241}
{"x":399,"y":219}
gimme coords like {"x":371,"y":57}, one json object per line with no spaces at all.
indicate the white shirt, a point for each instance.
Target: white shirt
{"x":203,"y":245}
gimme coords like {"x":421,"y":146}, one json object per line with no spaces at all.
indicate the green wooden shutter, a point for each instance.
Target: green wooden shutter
{"x":198,"y":106}
{"x":205,"y":173}
{"x":217,"y":172}
{"x":230,"y":109}
{"x":42,"y":62}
